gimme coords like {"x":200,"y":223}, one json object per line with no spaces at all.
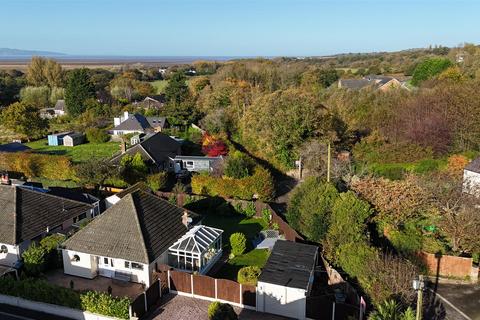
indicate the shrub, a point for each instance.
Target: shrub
{"x":238,"y":167}
{"x":104,"y":303}
{"x":249,"y":275}
{"x":96,"y":135}
{"x":267,"y":215}
{"x":429,"y":68}
{"x":34,"y":260}
{"x":221,"y":311}
{"x":238,"y":243}
{"x":250,"y":210}
{"x":427,"y":165}
{"x":157,"y":181}
{"x":50,"y":245}
{"x":390,"y":171}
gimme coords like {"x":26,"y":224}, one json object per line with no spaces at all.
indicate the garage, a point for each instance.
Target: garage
{"x":286,"y":279}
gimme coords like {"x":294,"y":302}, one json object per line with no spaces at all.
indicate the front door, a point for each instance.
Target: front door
{"x":105,"y":267}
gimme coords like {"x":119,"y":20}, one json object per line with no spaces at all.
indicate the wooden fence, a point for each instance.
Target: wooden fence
{"x":208,"y":288}
{"x":146,"y":301}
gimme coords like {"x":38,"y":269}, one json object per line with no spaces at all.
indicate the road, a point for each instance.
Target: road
{"x":13,"y":313}
{"x":454,"y":302}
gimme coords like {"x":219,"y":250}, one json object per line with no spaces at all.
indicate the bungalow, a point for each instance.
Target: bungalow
{"x":59,"y":108}
{"x":113,"y":199}
{"x":193,"y":163}
{"x":377,"y":82}
{"x":471,"y":178}
{"x":287,"y":278}
{"x":73,"y":139}
{"x":137,"y":123}
{"x":132,"y":237}
{"x":27,"y":214}
{"x":156,"y":149}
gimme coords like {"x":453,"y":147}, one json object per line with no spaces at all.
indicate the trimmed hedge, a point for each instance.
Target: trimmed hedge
{"x":38,"y":165}
{"x":260,"y":185}
{"x":43,"y":291}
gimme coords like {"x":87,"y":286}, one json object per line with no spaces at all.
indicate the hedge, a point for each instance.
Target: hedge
{"x":259,"y":185}
{"x":38,"y":165}
{"x":42,"y":291}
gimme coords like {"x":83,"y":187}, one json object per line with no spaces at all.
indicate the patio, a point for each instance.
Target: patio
{"x":119,"y":288}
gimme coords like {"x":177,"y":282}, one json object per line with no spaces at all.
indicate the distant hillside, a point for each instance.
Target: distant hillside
{"x":28,"y":53}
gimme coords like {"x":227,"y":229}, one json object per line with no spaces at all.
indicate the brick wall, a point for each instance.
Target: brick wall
{"x":447,"y":266}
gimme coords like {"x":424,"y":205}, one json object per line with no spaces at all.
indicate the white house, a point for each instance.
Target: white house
{"x":129,"y":239}
{"x":471,"y":178}
{"x":287,"y":278}
{"x":28,"y":214}
{"x":193,"y":163}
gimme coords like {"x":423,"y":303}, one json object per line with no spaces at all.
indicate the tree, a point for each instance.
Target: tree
{"x":95,"y":172}
{"x":238,"y":243}
{"x":10,"y":85}
{"x":429,"y":68}
{"x":78,"y":90}
{"x":38,"y":97}
{"x":239,"y":166}
{"x":215,"y":149}
{"x":24,"y":119}
{"x":309,"y":210}
{"x":96,"y":135}
{"x":177,"y":90}
{"x":327,"y":77}
{"x":44,"y":72}
{"x":133,"y":168}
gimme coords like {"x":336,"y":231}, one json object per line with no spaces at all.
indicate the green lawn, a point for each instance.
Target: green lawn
{"x":159,"y":86}
{"x":250,"y":227}
{"x":257,"y":257}
{"x":79,"y":153}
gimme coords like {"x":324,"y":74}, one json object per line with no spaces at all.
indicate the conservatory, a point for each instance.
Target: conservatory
{"x":197,"y":250}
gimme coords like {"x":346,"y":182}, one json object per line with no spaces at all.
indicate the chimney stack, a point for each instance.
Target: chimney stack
{"x":186,"y":219}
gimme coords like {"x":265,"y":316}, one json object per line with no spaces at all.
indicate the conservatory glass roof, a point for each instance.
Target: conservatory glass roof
{"x":197,"y":240}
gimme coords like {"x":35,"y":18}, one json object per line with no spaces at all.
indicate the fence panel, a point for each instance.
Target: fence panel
{"x":228,"y":290}
{"x":249,"y":295}
{"x":153,"y":294}
{"x":320,"y":307}
{"x":180,"y":281}
{"x":138,"y":306}
{"x":346,"y":311}
{"x":204,"y":286}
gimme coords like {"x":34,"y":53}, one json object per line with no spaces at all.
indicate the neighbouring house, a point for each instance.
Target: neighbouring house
{"x":137,"y":123}
{"x":156,"y":149}
{"x":377,"y":82}
{"x":471,"y":178}
{"x":14,"y":147}
{"x":28,"y":214}
{"x":193,"y":163}
{"x":56,"y":139}
{"x":287,"y":278}
{"x":78,"y":196}
{"x":130,"y":239}
{"x":59,"y":108}
{"x":73,"y":139}
{"x":154,"y":102}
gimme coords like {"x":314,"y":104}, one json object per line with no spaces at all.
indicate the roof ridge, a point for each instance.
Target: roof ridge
{"x":134,"y":202}
{"x":54,"y":196}
{"x":15,"y":215}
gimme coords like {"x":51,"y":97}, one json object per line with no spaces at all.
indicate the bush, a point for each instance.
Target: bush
{"x":250,"y":210}
{"x":43,"y":291}
{"x":104,"y":303}
{"x":96,"y":135}
{"x":157,"y":181}
{"x":34,"y":260}
{"x":52,"y":255}
{"x":249,"y":275}
{"x":390,"y":171}
{"x":238,"y":167}
{"x":221,"y":311}
{"x":429,"y":68}
{"x":238,"y":243}
{"x":259,"y":185}
{"x":427,"y":165}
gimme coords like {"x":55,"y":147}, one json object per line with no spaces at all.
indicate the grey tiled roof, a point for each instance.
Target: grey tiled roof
{"x":139,"y":228}
{"x":290,"y":264}
{"x":26,"y":214}
{"x":474,"y":166}
{"x":136,"y":122}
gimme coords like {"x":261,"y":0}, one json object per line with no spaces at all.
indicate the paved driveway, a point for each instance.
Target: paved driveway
{"x":176,"y":307}
{"x":454,"y":302}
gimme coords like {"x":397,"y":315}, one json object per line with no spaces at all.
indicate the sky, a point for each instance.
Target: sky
{"x":235,"y":27}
